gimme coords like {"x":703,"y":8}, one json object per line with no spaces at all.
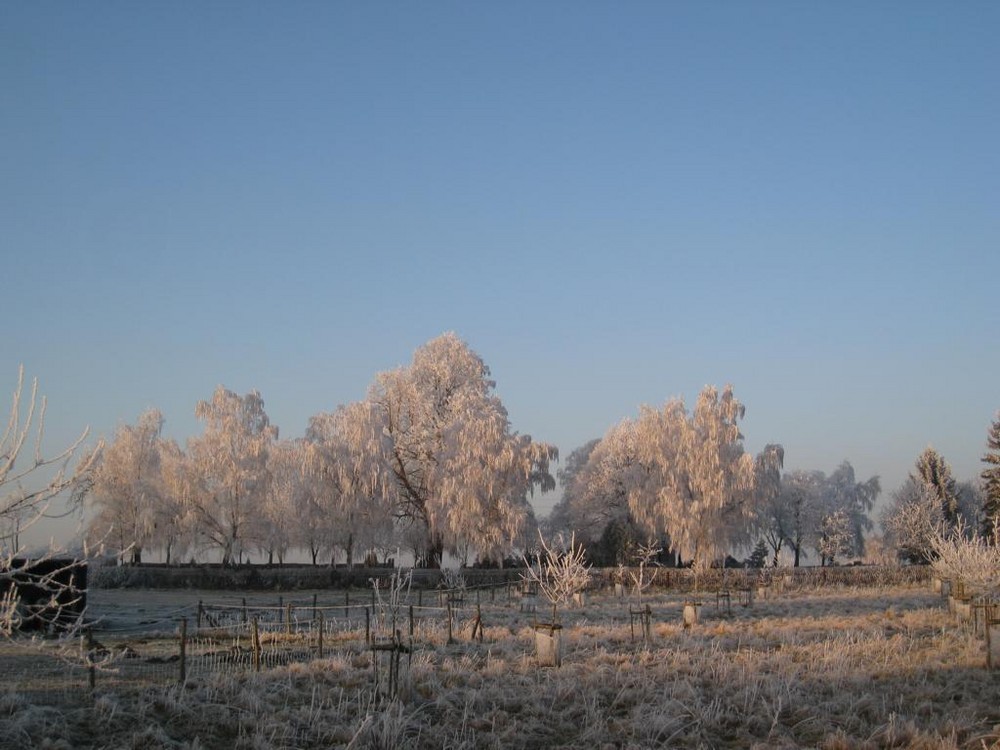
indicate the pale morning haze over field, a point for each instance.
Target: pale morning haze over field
{"x":611,"y":204}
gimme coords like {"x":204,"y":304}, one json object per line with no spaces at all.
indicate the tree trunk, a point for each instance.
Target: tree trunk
{"x":349,"y":549}
{"x":434,"y":552}
{"x":136,"y":555}
{"x":796,"y":548}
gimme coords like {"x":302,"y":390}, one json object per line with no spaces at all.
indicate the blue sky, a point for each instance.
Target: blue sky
{"x":613,"y":203}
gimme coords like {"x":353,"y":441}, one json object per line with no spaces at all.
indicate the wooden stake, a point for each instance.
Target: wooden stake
{"x":92,"y":670}
{"x":450,"y":639}
{"x":320,"y":635}
{"x":255,"y":642}
{"x":184,"y":633}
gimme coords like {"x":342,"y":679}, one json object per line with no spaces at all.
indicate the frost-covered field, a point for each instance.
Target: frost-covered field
{"x":827,"y":668}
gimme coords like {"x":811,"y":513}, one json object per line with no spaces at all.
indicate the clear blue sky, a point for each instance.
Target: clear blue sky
{"x":613,"y":203}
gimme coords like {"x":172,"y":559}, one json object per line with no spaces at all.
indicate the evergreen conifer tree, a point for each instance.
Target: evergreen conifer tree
{"x":991,"y":483}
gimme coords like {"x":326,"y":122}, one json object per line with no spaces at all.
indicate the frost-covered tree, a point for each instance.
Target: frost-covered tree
{"x":29,"y":480}
{"x":173,"y":525}
{"x":127,"y":490}
{"x":29,"y":483}
{"x":595,"y":496}
{"x":990,"y":525}
{"x":842,"y":492}
{"x":794,"y":515}
{"x":701,"y":485}
{"x":912,"y":520}
{"x":450,"y":463}
{"x":353,"y":512}
{"x":230,"y":460}
{"x":571,"y":481}
{"x":934,"y":474}
{"x":276,"y":524}
{"x":835,"y":536}
{"x":929,"y":504}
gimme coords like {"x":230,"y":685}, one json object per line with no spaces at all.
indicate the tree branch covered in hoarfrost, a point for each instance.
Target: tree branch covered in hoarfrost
{"x":28,"y":486}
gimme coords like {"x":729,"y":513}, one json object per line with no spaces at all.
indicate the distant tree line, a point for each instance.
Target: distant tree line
{"x":429,"y":462}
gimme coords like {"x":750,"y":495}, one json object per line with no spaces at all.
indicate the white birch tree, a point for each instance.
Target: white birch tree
{"x":843,"y":492}
{"x":448,"y":457}
{"x":703,"y":488}
{"x":127,"y":490}
{"x":174,"y":520}
{"x":230,"y":460}
{"x":276,"y":524}
{"x":794,"y":515}
{"x":597,"y":494}
{"x":344,"y":460}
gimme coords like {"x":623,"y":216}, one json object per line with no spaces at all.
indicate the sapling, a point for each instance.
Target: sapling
{"x":387,"y":607}
{"x":453,"y":583}
{"x":644,"y":556}
{"x":558,"y":575}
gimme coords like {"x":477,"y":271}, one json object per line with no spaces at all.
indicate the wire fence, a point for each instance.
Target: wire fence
{"x":214,"y":637}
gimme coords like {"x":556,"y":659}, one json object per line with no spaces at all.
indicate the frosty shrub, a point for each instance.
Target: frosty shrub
{"x":452,"y":580}
{"x":975,"y":561}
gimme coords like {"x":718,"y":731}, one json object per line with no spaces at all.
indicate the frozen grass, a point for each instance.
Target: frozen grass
{"x":832,"y":669}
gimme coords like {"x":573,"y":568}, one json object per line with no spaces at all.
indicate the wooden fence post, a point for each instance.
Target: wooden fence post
{"x":199,"y":614}
{"x":320,"y":635}
{"x":450,"y":639}
{"x":92,"y":670}
{"x":368,"y":626}
{"x":347,"y":604}
{"x":288,"y":618}
{"x":184,"y":635}
{"x":411,"y":622}
{"x":244,"y":610}
{"x":255,"y":641}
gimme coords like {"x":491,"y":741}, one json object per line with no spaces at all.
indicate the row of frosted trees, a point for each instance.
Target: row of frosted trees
{"x":686,"y":480}
{"x":428,"y":462}
{"x":617,"y":496}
